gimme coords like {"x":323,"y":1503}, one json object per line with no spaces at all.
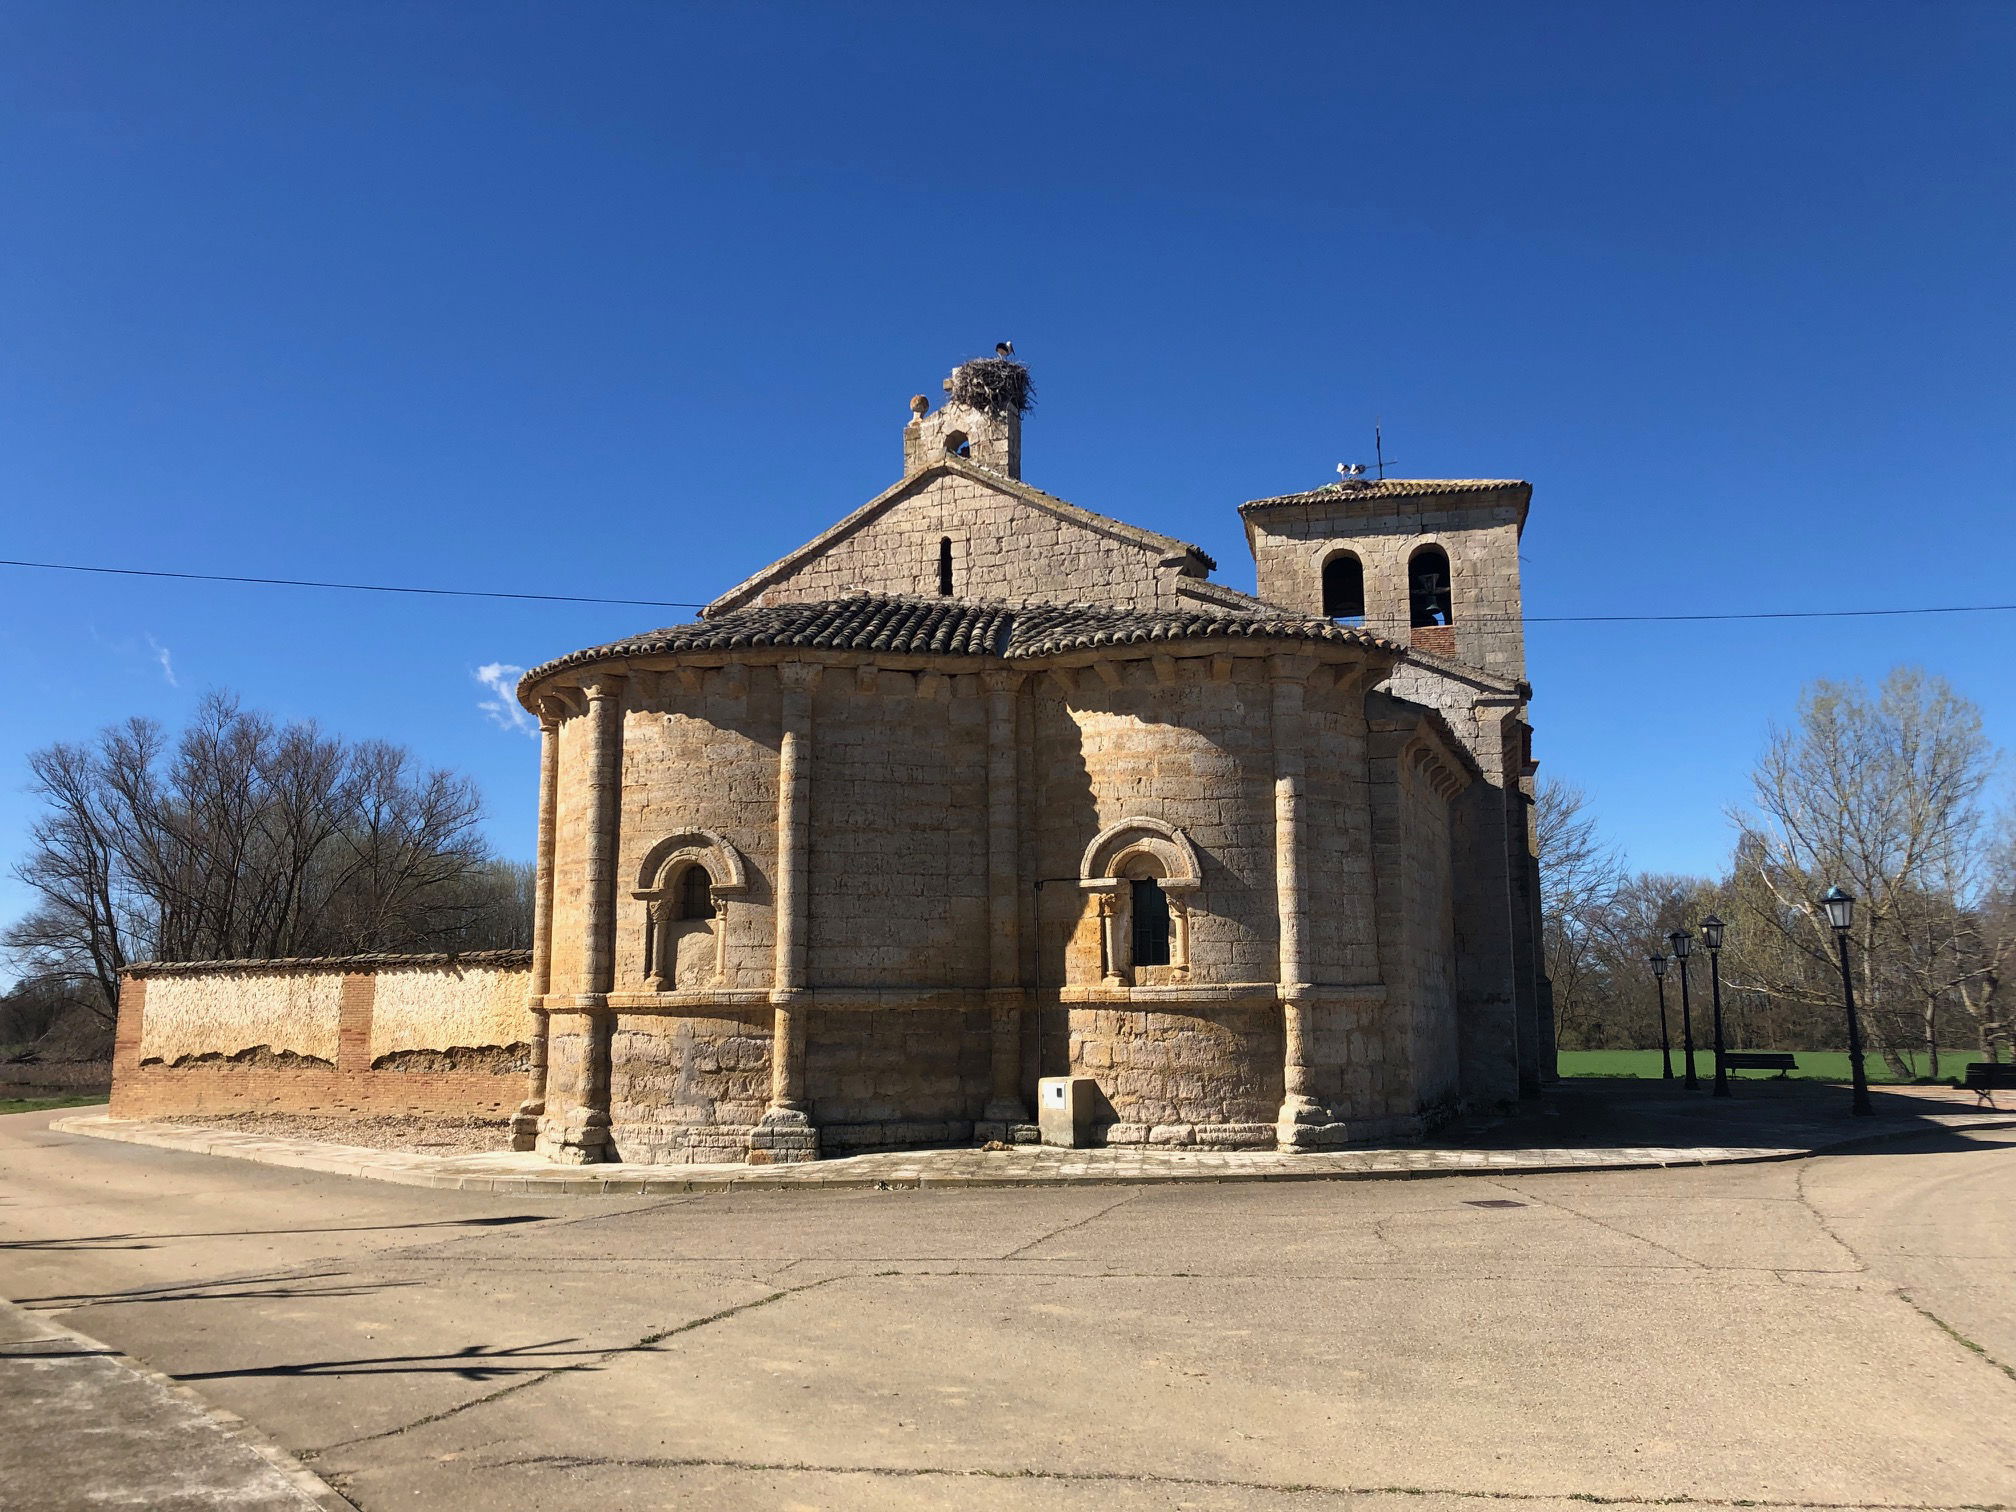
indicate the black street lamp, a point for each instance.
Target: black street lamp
{"x":1683,"y":944}
{"x":1658,"y":963}
{"x":1711,"y":936}
{"x":1840,"y":909}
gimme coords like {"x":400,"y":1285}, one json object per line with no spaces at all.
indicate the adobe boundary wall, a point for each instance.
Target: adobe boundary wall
{"x":427,"y":1034}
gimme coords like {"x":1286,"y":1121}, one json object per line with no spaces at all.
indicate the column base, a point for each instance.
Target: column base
{"x":580,"y":1138}
{"x":786,"y":1136}
{"x":1303,"y":1124}
{"x":525,"y":1124}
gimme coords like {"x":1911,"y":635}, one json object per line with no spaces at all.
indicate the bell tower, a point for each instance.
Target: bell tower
{"x":1428,"y":562}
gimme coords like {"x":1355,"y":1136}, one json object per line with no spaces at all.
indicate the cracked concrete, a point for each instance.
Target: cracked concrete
{"x":1833,"y":1333}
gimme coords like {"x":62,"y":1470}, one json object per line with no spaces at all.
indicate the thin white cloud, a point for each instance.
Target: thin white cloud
{"x":167,"y":662}
{"x":501,"y":678}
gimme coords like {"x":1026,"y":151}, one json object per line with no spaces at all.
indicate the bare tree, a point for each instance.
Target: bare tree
{"x":1881,"y":795}
{"x":1579,"y":877}
{"x":246,"y":839}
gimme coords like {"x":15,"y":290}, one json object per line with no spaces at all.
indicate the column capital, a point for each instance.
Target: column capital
{"x":1002,"y":681}
{"x":598,"y":686}
{"x":1286,"y":668}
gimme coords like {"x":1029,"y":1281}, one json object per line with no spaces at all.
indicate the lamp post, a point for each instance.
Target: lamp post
{"x":1711,"y":936}
{"x":1658,"y":964}
{"x":1840,"y":908}
{"x":1683,"y":945}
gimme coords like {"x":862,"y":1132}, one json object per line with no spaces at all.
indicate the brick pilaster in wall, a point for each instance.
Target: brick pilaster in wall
{"x":126,"y":1041}
{"x":353,"y":1023}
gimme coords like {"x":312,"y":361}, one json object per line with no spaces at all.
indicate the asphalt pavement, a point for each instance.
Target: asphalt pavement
{"x":1832,"y":1332}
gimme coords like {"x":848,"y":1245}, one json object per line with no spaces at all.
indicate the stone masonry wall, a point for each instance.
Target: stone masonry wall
{"x":1431,"y":946}
{"x":687,"y":1088}
{"x":1183,"y":740}
{"x":911,"y":1075}
{"x":698,"y":753}
{"x":899,"y":830}
{"x":229,"y":1036}
{"x":1479,"y":531}
{"x":1002,"y":548}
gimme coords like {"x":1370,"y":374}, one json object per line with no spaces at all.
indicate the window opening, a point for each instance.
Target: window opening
{"x":1428,"y":600}
{"x":957,"y":445}
{"x":696,"y":893}
{"x":1151,"y":923}
{"x":945,"y":566}
{"x":1344,"y":587}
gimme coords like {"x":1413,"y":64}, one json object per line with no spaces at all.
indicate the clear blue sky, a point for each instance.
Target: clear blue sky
{"x":628,"y":299}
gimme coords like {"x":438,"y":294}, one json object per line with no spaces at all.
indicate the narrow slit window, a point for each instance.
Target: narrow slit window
{"x":945,"y":566}
{"x":1344,"y":587}
{"x":1428,"y":599}
{"x":696,"y":893}
{"x":1151,"y":923}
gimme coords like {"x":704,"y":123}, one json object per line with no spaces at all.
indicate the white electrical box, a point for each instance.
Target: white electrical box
{"x":1064,"y":1108}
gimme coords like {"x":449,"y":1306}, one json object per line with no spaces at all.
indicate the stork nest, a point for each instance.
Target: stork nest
{"x":993,"y":385}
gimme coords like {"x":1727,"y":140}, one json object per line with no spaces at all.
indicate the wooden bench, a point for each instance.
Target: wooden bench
{"x":1986,"y":1078}
{"x":1780,"y":1061}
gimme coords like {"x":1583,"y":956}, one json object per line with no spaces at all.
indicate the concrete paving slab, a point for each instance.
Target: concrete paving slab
{"x":84,"y":1428}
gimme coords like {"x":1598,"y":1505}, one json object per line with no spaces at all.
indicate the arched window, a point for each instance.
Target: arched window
{"x":1344,"y":587}
{"x":696,"y":893}
{"x":683,"y":883}
{"x":957,"y":445}
{"x":1150,"y":910}
{"x":945,"y":566}
{"x":1428,"y":601}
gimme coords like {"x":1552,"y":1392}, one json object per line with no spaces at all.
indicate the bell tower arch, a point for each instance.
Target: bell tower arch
{"x":1431,"y":563}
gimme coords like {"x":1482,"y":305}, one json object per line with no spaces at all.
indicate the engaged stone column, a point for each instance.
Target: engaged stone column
{"x":525,"y":1126}
{"x":1300,"y":1112}
{"x":583,"y":1135}
{"x":1004,"y":908}
{"x":786,"y":1133}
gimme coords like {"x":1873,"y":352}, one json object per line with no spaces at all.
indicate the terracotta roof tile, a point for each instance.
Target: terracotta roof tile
{"x":1386,"y":488}
{"x":952,"y":626}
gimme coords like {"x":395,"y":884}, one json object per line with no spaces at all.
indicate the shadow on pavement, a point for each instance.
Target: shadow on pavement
{"x":1625,"y":1113}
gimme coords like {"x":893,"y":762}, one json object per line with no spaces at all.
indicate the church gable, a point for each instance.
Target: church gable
{"x":955,"y":529}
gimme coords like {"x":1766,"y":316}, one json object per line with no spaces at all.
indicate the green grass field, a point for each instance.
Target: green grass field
{"x":36,"y":1104}
{"x":1814,"y":1065}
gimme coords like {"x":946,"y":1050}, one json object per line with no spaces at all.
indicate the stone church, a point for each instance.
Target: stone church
{"x":979,"y":786}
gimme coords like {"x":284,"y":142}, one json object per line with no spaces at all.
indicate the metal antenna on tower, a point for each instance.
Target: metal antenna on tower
{"x":1379,"y":449}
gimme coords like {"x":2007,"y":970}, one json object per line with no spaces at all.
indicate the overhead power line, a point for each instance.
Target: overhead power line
{"x":580,"y":598}
{"x":218,"y":577}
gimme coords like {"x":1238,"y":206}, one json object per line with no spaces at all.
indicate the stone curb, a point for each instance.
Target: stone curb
{"x":526,"y":1175}
{"x":312,"y":1487}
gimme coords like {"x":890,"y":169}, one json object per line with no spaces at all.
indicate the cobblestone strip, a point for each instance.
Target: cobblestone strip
{"x":507,"y":1171}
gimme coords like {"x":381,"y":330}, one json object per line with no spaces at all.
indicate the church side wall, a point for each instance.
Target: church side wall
{"x":569,"y":832}
{"x":1001,"y":548}
{"x":703,"y":758}
{"x":1431,"y":1018}
{"x":1194,"y":752}
{"x":899,"y":830}
{"x":369,"y":1034}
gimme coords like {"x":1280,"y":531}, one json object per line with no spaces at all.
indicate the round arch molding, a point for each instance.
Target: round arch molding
{"x":713,"y":853}
{"x":1167,"y":845}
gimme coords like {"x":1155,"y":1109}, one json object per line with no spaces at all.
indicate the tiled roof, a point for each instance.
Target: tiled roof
{"x":952,"y":626}
{"x":1043,"y":629}
{"x":1386,"y":488}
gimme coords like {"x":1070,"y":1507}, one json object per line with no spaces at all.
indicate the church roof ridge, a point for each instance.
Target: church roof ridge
{"x":903,"y":624}
{"x":1386,"y":488}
